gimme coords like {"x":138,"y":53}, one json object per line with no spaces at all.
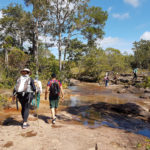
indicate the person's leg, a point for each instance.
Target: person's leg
{"x":27,"y":100}
{"x":53,"y":113}
{"x":21,"y":100}
{"x":52,"y":107}
{"x":38,"y":100}
{"x":56,"y":106}
{"x":56,"y":111}
{"x":106,"y":82}
{"x":135,"y":76}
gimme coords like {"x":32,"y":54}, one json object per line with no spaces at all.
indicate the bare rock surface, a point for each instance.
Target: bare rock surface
{"x":64,"y":135}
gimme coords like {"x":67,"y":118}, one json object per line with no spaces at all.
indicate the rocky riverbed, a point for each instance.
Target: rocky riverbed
{"x":92,"y":117}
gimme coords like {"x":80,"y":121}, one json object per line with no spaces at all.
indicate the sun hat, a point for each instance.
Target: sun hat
{"x":25,"y":69}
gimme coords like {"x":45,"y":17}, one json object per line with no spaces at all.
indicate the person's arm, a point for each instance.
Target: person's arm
{"x":33,"y":85}
{"x":14,"y":94}
{"x":62,"y":92}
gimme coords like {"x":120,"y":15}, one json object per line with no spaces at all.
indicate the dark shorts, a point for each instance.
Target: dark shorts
{"x":54,"y":103}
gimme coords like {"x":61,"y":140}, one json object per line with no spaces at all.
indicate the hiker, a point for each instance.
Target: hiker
{"x":115,"y":78}
{"x":106,"y":79}
{"x":36,"y":99}
{"x":135,"y":73}
{"x":55,"y":89}
{"x":24,"y":91}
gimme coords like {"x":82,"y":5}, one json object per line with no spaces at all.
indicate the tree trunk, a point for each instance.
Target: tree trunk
{"x":67,"y":46}
{"x":6,"y":58}
{"x":36,"y":47}
{"x":60,"y":52}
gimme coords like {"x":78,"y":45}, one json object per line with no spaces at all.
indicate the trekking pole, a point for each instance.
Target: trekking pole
{"x":17,"y":106}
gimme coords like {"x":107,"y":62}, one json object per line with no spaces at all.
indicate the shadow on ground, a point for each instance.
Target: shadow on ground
{"x":11,"y":121}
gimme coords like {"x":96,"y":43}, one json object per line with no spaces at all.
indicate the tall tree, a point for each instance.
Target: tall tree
{"x":12,"y":24}
{"x":93,"y":22}
{"x":39,"y":14}
{"x":61,"y":14}
{"x":142,"y":54}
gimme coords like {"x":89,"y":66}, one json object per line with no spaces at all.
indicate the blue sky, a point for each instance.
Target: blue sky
{"x":128,"y":21}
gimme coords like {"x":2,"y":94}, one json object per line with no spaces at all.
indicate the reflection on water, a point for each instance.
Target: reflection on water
{"x":91,"y":118}
{"x":74,"y":101}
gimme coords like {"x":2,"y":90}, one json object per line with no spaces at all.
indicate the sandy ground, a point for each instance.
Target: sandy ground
{"x":66,"y":134}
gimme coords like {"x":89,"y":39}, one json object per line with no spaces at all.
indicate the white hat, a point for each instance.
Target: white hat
{"x":26,"y":69}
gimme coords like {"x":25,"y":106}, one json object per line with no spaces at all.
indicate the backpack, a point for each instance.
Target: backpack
{"x":37,"y":86}
{"x":23,"y":85}
{"x":54,"y":89}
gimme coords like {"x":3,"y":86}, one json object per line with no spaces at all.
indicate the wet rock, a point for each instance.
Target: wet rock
{"x":128,"y":109}
{"x":127,"y":86}
{"x":147,"y":91}
{"x":143,"y":97}
{"x":121,"y":91}
{"x":88,"y":79}
{"x":125,"y":75}
{"x":124,"y":80}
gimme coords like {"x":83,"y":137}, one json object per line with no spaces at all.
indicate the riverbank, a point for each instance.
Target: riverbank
{"x":77,"y":126}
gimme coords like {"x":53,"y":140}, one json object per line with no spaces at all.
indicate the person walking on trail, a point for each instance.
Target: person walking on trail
{"x":36,"y":99}
{"x":55,"y":89}
{"x":135,"y":73}
{"x":115,"y":78}
{"x":106,"y":79}
{"x":24,"y":91}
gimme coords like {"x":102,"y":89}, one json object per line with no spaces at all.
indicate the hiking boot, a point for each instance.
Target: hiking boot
{"x":24,"y":126}
{"x":53,"y":121}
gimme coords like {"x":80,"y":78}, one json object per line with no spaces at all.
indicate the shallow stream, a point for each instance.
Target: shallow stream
{"x":80,"y":105}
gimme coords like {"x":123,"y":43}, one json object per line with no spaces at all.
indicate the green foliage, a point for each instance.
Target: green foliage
{"x":141,"y":54}
{"x":17,"y":58}
{"x":139,"y":145}
{"x":3,"y":101}
{"x":146,"y":82}
{"x":93,"y":62}
{"x":116,"y":60}
{"x":93,"y":20}
{"x":147,"y":147}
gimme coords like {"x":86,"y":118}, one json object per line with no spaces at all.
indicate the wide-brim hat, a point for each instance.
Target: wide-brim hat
{"x":25,"y":69}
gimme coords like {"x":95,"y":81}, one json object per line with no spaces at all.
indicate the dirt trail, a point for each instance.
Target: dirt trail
{"x":66,"y":134}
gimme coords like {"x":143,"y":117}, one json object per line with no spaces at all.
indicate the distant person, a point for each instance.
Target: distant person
{"x":115,"y":78}
{"x":135,"y":73}
{"x":36,"y":99}
{"x":55,"y":89}
{"x":24,"y":91}
{"x":106,"y":79}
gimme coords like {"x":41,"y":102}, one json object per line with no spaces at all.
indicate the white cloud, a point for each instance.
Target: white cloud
{"x":108,"y":42}
{"x":109,"y":9}
{"x":121,"y":16}
{"x":117,"y":43}
{"x":1,"y":14}
{"x":145,"y":36}
{"x":134,"y":3}
{"x":46,"y":39}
